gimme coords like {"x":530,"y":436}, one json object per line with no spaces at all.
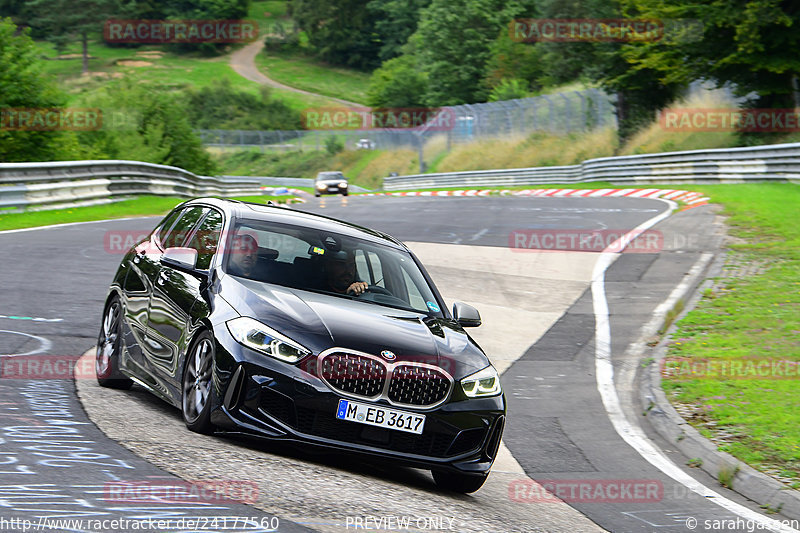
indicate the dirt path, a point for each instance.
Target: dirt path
{"x":243,"y":62}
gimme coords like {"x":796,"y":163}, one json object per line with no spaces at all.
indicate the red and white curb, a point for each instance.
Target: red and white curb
{"x":690,"y":198}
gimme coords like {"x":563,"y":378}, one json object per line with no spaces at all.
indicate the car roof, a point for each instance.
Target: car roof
{"x":273,"y":213}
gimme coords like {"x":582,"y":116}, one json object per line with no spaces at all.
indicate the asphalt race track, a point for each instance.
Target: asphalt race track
{"x":59,"y":461}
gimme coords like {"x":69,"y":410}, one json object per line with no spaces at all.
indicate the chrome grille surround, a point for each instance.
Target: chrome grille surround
{"x":420,"y":371}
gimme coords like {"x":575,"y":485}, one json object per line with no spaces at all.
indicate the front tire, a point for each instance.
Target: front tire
{"x":195,"y":403}
{"x":463,"y":483}
{"x":109,"y":343}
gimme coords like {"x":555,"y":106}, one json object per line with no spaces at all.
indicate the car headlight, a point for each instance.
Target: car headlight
{"x":343,"y":184}
{"x":482,"y":383}
{"x":321,"y":186}
{"x":259,"y":337}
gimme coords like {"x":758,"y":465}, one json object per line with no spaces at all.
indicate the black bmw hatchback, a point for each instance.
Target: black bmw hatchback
{"x":293,"y":326}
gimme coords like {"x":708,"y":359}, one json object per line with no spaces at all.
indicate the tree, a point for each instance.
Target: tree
{"x":395,"y":22}
{"x":453,"y":46}
{"x":14,"y":9}
{"x":68,"y":19}
{"x":640,"y":90}
{"x":752,"y":43}
{"x":22,"y":85}
{"x":187,"y":9}
{"x":397,"y":83}
{"x":514,"y":60}
{"x":341,"y":32}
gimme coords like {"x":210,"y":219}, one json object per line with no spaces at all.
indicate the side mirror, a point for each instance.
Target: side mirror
{"x":466,"y":315}
{"x":180,"y":258}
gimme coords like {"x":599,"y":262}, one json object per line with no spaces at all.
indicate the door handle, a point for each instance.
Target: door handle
{"x":162,"y":277}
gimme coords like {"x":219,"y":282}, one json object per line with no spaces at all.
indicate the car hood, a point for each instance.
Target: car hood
{"x":319,"y":322}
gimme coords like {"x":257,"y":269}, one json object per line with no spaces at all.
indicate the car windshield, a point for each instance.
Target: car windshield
{"x":329,"y":263}
{"x":330,"y":176}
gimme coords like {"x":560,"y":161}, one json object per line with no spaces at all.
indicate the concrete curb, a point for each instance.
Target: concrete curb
{"x":750,"y":483}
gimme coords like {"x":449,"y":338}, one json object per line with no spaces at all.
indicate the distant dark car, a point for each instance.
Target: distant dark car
{"x":297,"y":327}
{"x":330,"y":183}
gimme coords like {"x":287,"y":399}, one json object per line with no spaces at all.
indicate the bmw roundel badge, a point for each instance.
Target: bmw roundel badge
{"x":389,"y":356}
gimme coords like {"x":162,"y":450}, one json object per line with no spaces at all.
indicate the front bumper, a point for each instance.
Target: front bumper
{"x":269,"y":399}
{"x":331,"y":189}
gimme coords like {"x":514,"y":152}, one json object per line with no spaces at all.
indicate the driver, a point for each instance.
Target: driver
{"x":340,"y":274}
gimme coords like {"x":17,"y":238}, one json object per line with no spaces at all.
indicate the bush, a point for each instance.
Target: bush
{"x":509,"y":89}
{"x":142,"y":123}
{"x":334,"y":145}
{"x":221,"y":106}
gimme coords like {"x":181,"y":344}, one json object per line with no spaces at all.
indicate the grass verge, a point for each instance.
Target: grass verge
{"x":303,"y":72}
{"x":744,"y":320}
{"x":133,"y":207}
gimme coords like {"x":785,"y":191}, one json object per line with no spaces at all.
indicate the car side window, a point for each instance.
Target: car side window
{"x":206,"y":239}
{"x":177,"y":235}
{"x":167,"y":224}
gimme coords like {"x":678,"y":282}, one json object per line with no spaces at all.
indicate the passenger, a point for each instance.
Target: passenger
{"x":244,"y":254}
{"x":340,"y":274}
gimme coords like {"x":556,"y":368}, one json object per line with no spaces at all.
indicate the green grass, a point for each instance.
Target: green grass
{"x":303,"y":72}
{"x":133,"y":207}
{"x":170,"y":71}
{"x":752,"y":318}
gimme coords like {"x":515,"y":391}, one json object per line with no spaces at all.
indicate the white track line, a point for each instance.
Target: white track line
{"x":44,"y":344}
{"x":631,"y":433}
{"x":67,"y":224}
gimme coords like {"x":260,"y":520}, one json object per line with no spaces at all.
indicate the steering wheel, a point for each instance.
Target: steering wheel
{"x":378,"y":290}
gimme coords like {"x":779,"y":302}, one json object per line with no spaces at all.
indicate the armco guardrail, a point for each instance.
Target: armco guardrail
{"x":68,"y":182}
{"x":731,"y":165}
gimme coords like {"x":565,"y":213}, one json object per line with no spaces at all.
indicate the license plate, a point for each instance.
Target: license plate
{"x":380,"y":416}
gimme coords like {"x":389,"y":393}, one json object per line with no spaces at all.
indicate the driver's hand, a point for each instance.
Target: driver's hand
{"x":357,"y":288}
